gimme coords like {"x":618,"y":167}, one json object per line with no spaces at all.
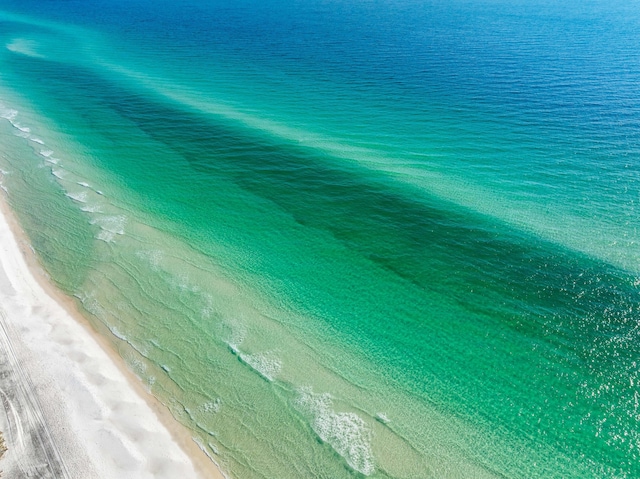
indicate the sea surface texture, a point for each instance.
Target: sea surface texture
{"x":337,"y":239}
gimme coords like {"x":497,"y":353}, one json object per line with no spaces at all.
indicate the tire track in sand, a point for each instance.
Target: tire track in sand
{"x":32,"y":452}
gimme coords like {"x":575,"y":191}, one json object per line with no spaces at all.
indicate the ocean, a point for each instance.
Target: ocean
{"x":337,"y":239}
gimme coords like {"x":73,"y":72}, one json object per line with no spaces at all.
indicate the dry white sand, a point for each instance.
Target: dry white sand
{"x":69,"y":410}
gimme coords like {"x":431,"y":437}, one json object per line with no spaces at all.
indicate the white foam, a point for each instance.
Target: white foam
{"x":11,"y":115}
{"x":214,"y":449}
{"x":346,"y":432}
{"x":382,"y":417}
{"x":233,"y":347}
{"x":22,"y":134}
{"x":57,"y":173}
{"x":80,"y":197}
{"x":202,"y":447}
{"x":92,"y":305}
{"x":82,"y":183}
{"x":212,"y":406}
{"x":90,"y":208}
{"x":137,"y":366}
{"x":46,"y":153}
{"x":117,"y":333}
{"x":3,"y":173}
{"x":106,"y":236}
{"x":265,"y":364}
{"x":113,"y":224}
{"x":53,"y":161}
{"x":8,"y":114}
{"x":110,"y":226}
{"x":36,"y":140}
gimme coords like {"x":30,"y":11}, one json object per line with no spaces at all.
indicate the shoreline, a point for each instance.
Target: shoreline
{"x":64,"y":380}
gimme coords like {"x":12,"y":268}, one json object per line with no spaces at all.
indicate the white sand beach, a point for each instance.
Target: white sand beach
{"x":70,"y":409}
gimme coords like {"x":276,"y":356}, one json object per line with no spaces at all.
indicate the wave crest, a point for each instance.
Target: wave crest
{"x":345,"y":432}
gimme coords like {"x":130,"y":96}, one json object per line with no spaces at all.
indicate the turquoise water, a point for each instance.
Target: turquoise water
{"x":389,"y":239}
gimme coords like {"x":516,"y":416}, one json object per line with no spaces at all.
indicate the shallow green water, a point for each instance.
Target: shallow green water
{"x":399,"y":247}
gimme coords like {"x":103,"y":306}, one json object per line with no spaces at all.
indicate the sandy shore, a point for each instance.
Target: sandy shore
{"x":70,"y":407}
